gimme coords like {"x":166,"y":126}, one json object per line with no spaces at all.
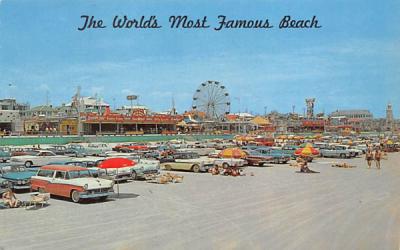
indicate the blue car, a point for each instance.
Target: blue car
{"x":16,"y":177}
{"x":277,"y":155}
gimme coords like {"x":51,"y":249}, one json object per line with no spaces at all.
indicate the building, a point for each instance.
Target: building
{"x":11,"y":114}
{"x":389,"y":118}
{"x":352,"y":114}
{"x":310,"y":107}
{"x":90,"y":104}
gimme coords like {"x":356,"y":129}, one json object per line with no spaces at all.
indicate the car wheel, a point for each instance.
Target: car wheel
{"x":4,"y":160}
{"x":276,"y":161}
{"x":261,"y":164}
{"x":168,"y":167}
{"x":196,"y":168}
{"x":134,"y":175}
{"x":75,"y":196}
{"x":103,"y":198}
{"x":343,"y":156}
{"x":225,"y":165}
{"x":28,"y":164}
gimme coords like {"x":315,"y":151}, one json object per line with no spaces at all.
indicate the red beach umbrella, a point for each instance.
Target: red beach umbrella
{"x":118,"y":162}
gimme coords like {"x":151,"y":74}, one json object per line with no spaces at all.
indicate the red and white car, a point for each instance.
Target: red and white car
{"x":131,"y":147}
{"x":71,"y":181}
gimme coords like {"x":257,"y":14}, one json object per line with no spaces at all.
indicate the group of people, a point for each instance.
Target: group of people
{"x":233,"y":171}
{"x":376,"y":156}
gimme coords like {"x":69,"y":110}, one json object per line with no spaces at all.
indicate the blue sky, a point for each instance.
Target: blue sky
{"x":351,"y":62}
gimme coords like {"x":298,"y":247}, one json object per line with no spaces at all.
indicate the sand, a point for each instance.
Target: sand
{"x":355,"y":208}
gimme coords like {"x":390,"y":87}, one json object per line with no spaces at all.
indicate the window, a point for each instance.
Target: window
{"x":60,"y":175}
{"x":79,"y":174}
{"x":46,"y":173}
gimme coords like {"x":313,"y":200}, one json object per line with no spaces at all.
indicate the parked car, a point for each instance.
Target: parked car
{"x":16,"y":177}
{"x":129,"y":147}
{"x":79,"y":150}
{"x":3,"y":185}
{"x":354,"y":152}
{"x":99,"y":148}
{"x":58,"y":149}
{"x":189,"y":162}
{"x":288,"y":149}
{"x":5,"y":154}
{"x":17,"y":151}
{"x":144,"y":167}
{"x":229,"y":162}
{"x":200,"y":149}
{"x":363,"y":148}
{"x":255,"y":158}
{"x":40,"y":158}
{"x":335,"y":152}
{"x":276,"y":155}
{"x":71,"y":181}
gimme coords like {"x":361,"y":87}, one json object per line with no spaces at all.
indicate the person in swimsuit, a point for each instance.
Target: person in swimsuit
{"x":369,"y":156}
{"x":9,"y":199}
{"x":302,"y":163}
{"x":378,"y":156}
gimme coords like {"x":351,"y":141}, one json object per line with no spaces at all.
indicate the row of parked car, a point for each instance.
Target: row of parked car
{"x":70,"y":165}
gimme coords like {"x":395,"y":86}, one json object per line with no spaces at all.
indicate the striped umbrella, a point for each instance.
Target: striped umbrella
{"x":232,"y":153}
{"x":306,"y":151}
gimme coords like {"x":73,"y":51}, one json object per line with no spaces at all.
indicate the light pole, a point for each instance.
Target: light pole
{"x":265,"y":110}
{"x":131,"y":98}
{"x":239,"y":127}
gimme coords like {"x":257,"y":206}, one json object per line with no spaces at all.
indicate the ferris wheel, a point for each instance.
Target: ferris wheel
{"x":212,"y":98}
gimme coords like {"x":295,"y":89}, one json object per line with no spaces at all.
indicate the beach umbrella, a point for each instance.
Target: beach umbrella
{"x":389,"y":142}
{"x":306,"y":151}
{"x":306,"y":145}
{"x":116,"y":163}
{"x":232,"y":153}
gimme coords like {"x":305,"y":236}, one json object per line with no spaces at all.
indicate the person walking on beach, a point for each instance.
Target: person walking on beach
{"x":378,"y":156}
{"x":369,"y":156}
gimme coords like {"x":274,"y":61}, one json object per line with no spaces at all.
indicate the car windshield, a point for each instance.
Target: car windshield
{"x":253,"y":152}
{"x":79,"y":174}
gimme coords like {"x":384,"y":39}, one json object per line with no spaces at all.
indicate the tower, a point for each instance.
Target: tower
{"x":310,"y":107}
{"x":389,"y":117}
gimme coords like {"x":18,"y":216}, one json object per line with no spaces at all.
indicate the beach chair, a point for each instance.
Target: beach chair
{"x":38,"y":199}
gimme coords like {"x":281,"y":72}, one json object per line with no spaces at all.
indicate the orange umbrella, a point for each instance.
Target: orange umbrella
{"x":306,"y":145}
{"x":306,"y":151}
{"x":232,"y":153}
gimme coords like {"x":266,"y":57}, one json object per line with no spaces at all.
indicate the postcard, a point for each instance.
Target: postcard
{"x":258,"y":124}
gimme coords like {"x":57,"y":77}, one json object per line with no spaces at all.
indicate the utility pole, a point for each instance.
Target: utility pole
{"x":98,"y":112}
{"x":77,"y":104}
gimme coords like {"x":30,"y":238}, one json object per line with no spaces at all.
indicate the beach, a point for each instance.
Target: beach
{"x":277,"y":208}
